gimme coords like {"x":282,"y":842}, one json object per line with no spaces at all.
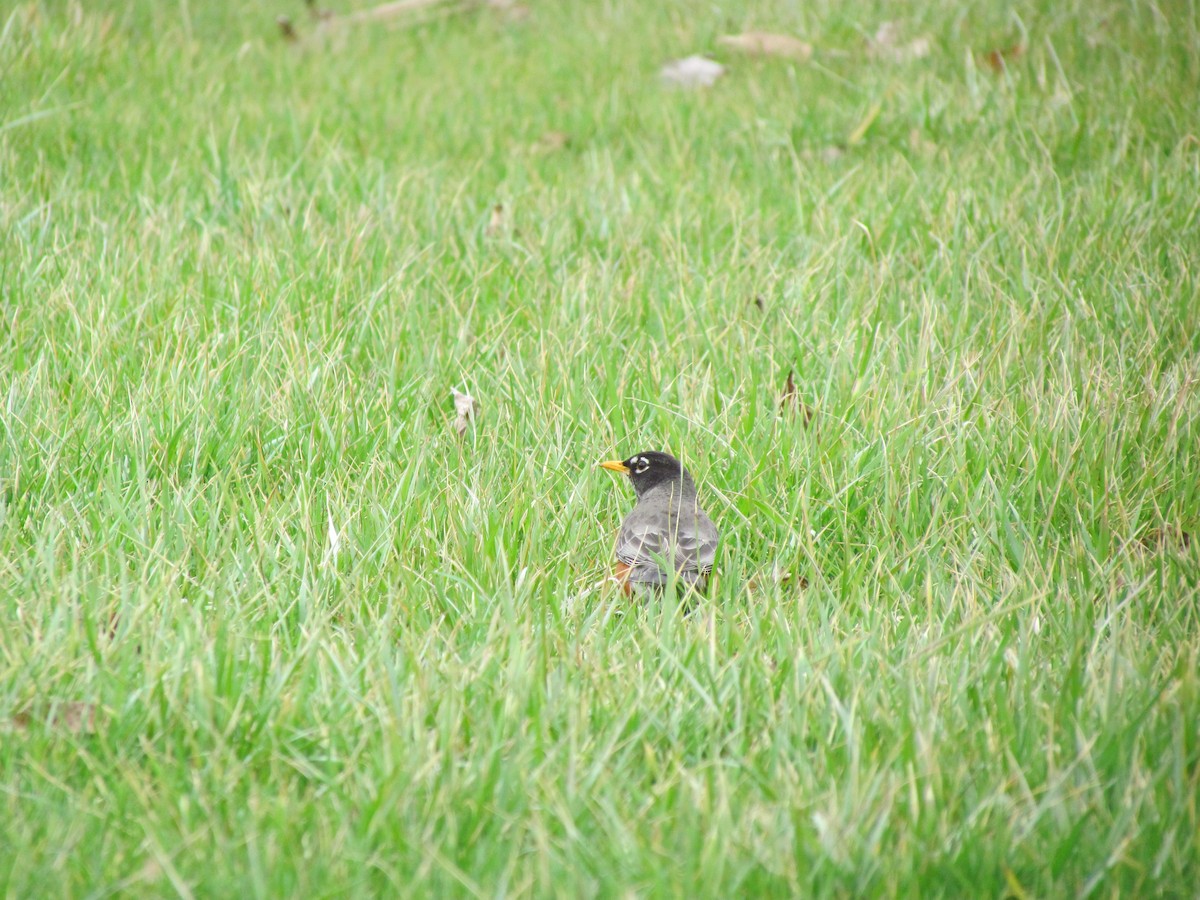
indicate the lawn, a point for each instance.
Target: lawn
{"x":270,"y":626}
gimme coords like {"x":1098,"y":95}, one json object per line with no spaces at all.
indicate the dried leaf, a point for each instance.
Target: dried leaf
{"x":763,"y":43}
{"x":1170,"y":536}
{"x":400,"y":12}
{"x":832,"y":154}
{"x":551,"y":142}
{"x":918,"y":48}
{"x":997,"y":60}
{"x":467,"y":410}
{"x":385,"y":11}
{"x":790,"y":403}
{"x":775,"y":576}
{"x":886,"y":35}
{"x":151,"y":870}
{"x":287,"y":30}
{"x":692,"y":72}
{"x":496,"y":223}
{"x":317,"y":13}
{"x":885,"y":45}
{"x":510,"y":8}
{"x":73,"y":716}
{"x":921,"y":144}
{"x":789,"y":398}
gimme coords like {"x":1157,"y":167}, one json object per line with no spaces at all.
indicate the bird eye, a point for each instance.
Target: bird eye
{"x":642,"y":465}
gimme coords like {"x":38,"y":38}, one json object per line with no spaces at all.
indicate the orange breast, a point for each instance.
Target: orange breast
{"x":621,"y":575}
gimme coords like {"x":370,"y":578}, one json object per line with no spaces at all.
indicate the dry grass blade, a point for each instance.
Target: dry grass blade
{"x":764,"y":43}
{"x":860,"y":130}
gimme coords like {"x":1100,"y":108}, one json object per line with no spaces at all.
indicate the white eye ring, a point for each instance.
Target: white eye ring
{"x":642,"y":465}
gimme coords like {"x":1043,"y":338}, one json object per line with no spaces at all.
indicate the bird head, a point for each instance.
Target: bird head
{"x":651,"y":468}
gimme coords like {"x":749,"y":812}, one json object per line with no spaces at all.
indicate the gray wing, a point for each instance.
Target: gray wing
{"x":651,"y":540}
{"x":641,"y":544}
{"x":699,"y":542}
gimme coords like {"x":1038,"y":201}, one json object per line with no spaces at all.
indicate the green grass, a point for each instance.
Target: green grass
{"x":240,"y":279}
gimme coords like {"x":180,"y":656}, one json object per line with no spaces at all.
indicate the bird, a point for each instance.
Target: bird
{"x":665,"y":530}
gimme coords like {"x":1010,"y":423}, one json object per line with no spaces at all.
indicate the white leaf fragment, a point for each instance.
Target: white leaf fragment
{"x":692,"y":72}
{"x":886,"y":46}
{"x":335,"y":541}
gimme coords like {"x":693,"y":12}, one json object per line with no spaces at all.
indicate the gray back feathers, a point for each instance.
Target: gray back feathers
{"x":668,"y":529}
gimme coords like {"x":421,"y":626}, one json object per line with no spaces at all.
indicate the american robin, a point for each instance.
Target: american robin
{"x":666,"y":530}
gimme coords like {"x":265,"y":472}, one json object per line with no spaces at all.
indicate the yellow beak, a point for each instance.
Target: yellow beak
{"x":615,"y":465}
